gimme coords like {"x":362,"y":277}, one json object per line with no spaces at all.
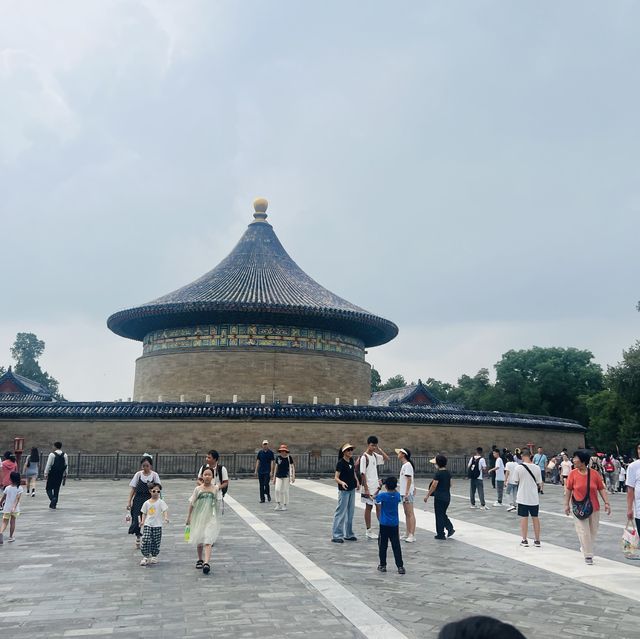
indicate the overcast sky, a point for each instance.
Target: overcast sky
{"x":469,"y":170}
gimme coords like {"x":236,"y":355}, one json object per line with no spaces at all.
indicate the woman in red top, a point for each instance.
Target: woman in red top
{"x":576,"y":487}
{"x":7,"y":467}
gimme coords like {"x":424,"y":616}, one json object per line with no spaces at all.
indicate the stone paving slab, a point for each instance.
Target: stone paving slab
{"x":74,"y":572}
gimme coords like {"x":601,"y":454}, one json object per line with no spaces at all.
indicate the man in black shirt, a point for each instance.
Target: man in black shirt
{"x":264,"y":468}
{"x":440,"y":488}
{"x":345,"y":477}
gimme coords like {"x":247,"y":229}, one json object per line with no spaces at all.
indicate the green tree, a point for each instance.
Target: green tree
{"x":624,"y":380}
{"x":548,"y":381}
{"x":605,"y":416}
{"x":376,"y":380}
{"x":442,"y":390}
{"x":26,"y":351}
{"x":397,"y":381}
{"x":475,"y":393}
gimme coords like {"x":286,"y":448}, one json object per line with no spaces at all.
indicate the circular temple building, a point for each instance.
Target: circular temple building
{"x":256,"y":348}
{"x":254,"y":329}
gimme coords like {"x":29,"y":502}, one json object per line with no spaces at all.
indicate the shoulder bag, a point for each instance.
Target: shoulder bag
{"x":583,"y":509}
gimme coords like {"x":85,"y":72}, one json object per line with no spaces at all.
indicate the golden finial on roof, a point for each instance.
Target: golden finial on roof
{"x":260,"y":205}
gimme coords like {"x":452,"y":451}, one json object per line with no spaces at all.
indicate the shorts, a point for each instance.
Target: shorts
{"x":525,"y":511}
{"x":367,"y":500}
{"x":410,"y":499}
{"x":8,"y":516}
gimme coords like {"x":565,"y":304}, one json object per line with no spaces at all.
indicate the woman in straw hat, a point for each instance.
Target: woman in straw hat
{"x":345,"y":477}
{"x":407,"y":491}
{"x":284,"y":474}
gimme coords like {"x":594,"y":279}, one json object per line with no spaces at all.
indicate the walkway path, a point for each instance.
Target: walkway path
{"x":74,"y":572}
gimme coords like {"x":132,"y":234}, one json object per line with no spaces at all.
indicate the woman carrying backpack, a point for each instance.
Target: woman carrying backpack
{"x":581,"y":497}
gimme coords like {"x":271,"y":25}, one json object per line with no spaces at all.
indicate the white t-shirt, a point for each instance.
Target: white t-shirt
{"x":499,"y":469}
{"x":405,"y":472}
{"x":151,"y":477}
{"x":153,"y":512}
{"x":11,"y":494}
{"x":566,"y":467}
{"x":527,"y":488}
{"x":482,"y":466}
{"x":633,"y":481}
{"x":623,"y":473}
{"x":369,"y":468}
{"x":511,"y":469}
{"x":216,"y":478}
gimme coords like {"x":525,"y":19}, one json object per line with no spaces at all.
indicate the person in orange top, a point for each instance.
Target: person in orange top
{"x":7,"y":467}
{"x":576,"y":489}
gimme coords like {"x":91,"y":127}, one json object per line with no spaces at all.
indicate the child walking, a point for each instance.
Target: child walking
{"x":10,"y":503}
{"x":389,"y":524}
{"x":203,"y":519}
{"x":153,"y":514}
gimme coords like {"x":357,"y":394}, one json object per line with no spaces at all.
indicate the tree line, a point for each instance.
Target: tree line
{"x":560,"y":382}
{"x":26,"y":351}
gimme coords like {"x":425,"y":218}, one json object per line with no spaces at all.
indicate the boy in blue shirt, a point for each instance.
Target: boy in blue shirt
{"x":389,"y":501}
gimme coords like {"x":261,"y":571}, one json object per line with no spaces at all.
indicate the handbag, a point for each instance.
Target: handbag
{"x":630,"y":541}
{"x":583,"y":508}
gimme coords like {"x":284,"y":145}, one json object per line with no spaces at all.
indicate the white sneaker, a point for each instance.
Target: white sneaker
{"x":284,"y":508}
{"x":485,"y":508}
{"x":153,"y":560}
{"x":473,"y":506}
{"x":410,"y":539}
{"x":497,"y":503}
{"x":278,"y":507}
{"x":511,"y":509}
{"x":403,"y":536}
{"x":371,"y":535}
{"x":144,"y":561}
{"x":11,"y":539}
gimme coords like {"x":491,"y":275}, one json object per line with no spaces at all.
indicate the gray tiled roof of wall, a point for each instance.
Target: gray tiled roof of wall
{"x":304,"y":412}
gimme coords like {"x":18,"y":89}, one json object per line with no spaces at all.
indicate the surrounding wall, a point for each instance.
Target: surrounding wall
{"x":245,"y":436}
{"x":250,"y":374}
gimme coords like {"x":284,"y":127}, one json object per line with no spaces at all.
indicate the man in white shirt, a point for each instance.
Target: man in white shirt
{"x":220,"y":474}
{"x":55,"y":472}
{"x":527,"y":476}
{"x":476,"y":469}
{"x":498,"y":473}
{"x":633,"y":489}
{"x":372,"y":457}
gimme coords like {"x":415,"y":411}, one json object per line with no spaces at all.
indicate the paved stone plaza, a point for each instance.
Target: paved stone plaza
{"x":74,"y":572}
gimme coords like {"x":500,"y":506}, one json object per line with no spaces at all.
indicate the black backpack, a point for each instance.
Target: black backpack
{"x":224,"y":488}
{"x":59,"y":465}
{"x":473,"y":472}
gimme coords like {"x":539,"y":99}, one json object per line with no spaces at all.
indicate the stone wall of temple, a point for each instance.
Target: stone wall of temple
{"x":245,"y":436}
{"x":249,"y":374}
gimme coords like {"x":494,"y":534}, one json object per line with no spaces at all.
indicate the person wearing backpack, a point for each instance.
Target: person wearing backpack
{"x":54,"y":473}
{"x":220,"y":474}
{"x":475,"y":472}
{"x":367,"y":467}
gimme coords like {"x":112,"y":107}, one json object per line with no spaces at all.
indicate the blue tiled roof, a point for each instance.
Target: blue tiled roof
{"x":400,"y":395}
{"x":28,"y":387}
{"x":164,"y":410}
{"x":257,"y":282}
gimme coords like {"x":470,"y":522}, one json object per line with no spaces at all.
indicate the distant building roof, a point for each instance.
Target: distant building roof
{"x":140,"y":411}
{"x":16,"y":388}
{"x":257,"y":282}
{"x":412,"y":394}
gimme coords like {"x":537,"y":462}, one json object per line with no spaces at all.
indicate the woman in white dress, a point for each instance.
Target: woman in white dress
{"x":203,"y":519}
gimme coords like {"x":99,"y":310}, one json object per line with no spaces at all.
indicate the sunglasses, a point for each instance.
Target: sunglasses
{"x":154,"y":491}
